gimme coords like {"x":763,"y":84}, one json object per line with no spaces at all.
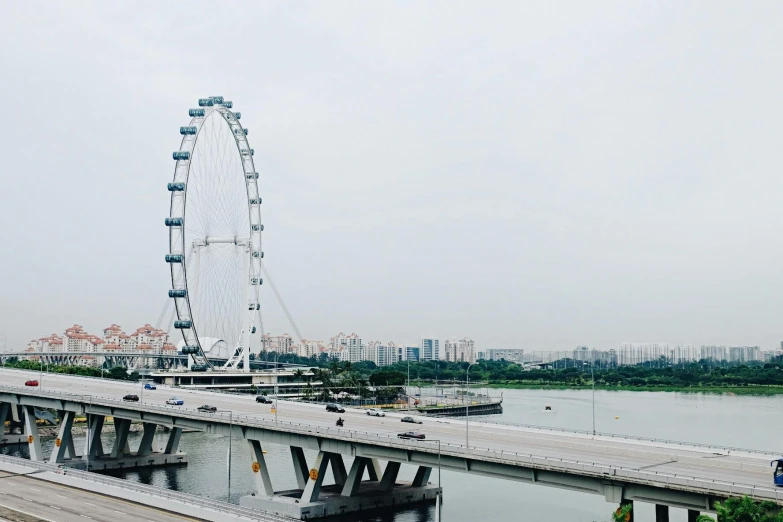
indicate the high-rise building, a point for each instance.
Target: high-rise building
{"x":430,"y":350}
{"x":412,"y":353}
{"x":462,"y":350}
{"x":743,"y":354}
{"x":515,"y":355}
{"x":713,"y":353}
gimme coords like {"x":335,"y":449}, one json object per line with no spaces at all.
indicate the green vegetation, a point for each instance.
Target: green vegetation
{"x":703,"y":376}
{"x":745,"y":510}
{"x":117,"y":373}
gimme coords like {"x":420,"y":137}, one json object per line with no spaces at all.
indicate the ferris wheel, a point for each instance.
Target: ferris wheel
{"x":215,"y":238}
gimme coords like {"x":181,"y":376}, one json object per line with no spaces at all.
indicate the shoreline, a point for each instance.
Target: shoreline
{"x":713,"y":390}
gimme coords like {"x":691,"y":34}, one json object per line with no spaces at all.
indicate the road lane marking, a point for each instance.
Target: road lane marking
{"x":85,"y":516}
{"x":27,"y":499}
{"x":39,"y":517}
{"x":33,"y":489}
{"x":54,"y":507}
{"x":120,"y":512}
{"x":62,"y":496}
{"x":93,"y":505}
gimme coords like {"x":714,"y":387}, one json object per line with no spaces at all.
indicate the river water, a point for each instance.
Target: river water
{"x":739,"y":421}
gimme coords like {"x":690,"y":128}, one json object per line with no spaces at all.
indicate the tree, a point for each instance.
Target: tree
{"x":747,"y":510}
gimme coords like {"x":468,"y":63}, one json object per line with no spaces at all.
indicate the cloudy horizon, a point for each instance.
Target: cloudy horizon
{"x":530,"y":175}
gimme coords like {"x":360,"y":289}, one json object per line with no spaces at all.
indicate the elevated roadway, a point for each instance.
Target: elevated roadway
{"x":621,"y":469}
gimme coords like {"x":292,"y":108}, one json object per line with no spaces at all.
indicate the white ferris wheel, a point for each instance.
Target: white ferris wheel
{"x":215,"y":238}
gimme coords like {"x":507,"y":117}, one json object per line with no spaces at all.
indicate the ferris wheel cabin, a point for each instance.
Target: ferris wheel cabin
{"x":180,"y":155}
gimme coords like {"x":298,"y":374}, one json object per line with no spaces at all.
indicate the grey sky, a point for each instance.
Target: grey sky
{"x":529,"y":174}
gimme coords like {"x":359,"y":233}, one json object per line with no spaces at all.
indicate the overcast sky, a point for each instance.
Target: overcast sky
{"x":533,"y":175}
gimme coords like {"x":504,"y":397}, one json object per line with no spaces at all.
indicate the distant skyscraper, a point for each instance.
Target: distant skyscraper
{"x":412,"y":353}
{"x":462,"y":350}
{"x":430,"y":350}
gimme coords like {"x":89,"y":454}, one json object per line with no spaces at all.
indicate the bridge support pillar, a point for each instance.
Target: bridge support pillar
{"x":145,"y":446}
{"x":374,"y":469}
{"x":313,"y":487}
{"x":63,"y":444}
{"x":173,"y":443}
{"x":31,"y":430}
{"x":300,"y":466}
{"x":260,"y":471}
{"x":693,"y":515}
{"x":661,"y":513}
{"x":354,"y":480}
{"x":93,"y":447}
{"x":338,"y":468}
{"x":349,"y":494}
{"x":121,"y":430}
{"x":10,"y":414}
{"x":422,"y":476}
{"x":390,"y":476}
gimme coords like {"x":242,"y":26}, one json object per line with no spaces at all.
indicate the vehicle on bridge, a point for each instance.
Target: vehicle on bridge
{"x":207,"y":408}
{"x":150,"y":386}
{"x":131,"y":398}
{"x":411,"y":435}
{"x":375,"y":413}
{"x":411,"y":420}
{"x":31,"y":382}
{"x":175,"y":401}
{"x":263,"y":399}
{"x":334,"y":407}
{"x":777,"y":475}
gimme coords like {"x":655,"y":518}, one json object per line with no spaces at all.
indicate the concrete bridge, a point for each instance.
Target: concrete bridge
{"x":623,"y":470}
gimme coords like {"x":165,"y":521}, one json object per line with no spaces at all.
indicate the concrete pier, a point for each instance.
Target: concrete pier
{"x":331,"y":502}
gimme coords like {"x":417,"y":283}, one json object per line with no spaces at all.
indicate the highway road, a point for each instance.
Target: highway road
{"x":706,"y":463}
{"x":22,"y":497}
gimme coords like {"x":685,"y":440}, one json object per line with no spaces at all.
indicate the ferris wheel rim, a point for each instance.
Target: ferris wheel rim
{"x":177,"y":233}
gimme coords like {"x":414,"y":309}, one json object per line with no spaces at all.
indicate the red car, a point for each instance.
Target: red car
{"x":31,"y":383}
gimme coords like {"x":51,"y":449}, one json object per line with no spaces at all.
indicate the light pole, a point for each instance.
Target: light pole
{"x":438,"y":441}
{"x":592,"y":377}
{"x":40,"y":375}
{"x":89,"y":432}
{"x":276,"y":393}
{"x":230,"y":438}
{"x":408,"y":389}
{"x":467,"y":404}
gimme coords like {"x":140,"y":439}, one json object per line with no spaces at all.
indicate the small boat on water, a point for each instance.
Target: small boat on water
{"x":547,"y":408}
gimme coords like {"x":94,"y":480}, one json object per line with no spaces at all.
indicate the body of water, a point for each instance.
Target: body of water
{"x":740,"y":421}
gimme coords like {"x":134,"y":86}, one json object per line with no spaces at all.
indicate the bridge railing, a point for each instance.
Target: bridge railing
{"x":650,"y":477}
{"x":167,"y":494}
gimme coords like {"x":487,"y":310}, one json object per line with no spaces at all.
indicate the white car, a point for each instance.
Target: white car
{"x":375,"y":413}
{"x":176,"y":401}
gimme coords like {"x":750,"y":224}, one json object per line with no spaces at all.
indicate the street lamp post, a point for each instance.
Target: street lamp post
{"x":230,"y":439}
{"x":467,"y":404}
{"x":408,"y":389}
{"x":88,"y":431}
{"x":592,"y":377}
{"x":276,"y":392}
{"x":40,"y":375}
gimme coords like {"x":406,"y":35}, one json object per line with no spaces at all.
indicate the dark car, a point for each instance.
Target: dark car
{"x":31,"y":382}
{"x":411,"y":435}
{"x":131,"y":398}
{"x":336,"y":408}
{"x":411,"y":420}
{"x":263,"y":399}
{"x":207,"y":408}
